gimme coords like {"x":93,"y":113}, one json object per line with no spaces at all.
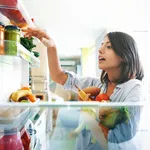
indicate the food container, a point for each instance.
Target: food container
{"x":13,"y":118}
{"x":12,"y":35}
{"x":2,"y":26}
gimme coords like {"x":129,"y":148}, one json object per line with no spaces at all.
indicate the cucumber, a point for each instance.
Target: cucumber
{"x":36,"y":54}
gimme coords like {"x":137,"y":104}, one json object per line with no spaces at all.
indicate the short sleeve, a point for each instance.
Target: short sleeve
{"x":82,"y":82}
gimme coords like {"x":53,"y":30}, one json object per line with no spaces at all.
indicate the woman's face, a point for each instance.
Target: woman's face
{"x":107,"y":58}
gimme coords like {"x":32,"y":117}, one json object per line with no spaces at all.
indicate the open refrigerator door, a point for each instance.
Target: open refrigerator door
{"x":15,"y":59}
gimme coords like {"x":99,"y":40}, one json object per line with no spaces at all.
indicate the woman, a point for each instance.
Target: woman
{"x":120,"y":80}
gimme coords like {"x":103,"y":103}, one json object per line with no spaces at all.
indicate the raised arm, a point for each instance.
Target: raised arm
{"x":55,"y":69}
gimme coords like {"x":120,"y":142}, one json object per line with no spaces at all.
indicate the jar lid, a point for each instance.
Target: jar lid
{"x":11,"y":27}
{"x":2,"y":24}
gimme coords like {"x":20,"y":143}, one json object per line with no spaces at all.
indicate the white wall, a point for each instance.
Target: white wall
{"x":97,"y":46}
{"x":13,"y":74}
{"x":142,"y":40}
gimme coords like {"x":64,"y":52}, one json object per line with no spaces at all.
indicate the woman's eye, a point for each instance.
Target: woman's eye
{"x":109,"y":47}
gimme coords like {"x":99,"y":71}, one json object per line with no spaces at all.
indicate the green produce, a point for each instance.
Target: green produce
{"x":110,"y":117}
{"x":27,"y":43}
{"x":36,"y":54}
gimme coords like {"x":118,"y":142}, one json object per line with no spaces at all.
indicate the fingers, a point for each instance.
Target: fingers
{"x":40,"y":34}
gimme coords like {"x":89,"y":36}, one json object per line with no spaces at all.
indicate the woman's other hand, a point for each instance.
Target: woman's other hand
{"x":91,"y":92}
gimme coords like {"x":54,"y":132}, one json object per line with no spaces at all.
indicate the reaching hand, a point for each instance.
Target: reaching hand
{"x":40,"y":34}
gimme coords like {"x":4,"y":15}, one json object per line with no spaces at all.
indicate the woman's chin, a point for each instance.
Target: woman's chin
{"x":101,"y":67}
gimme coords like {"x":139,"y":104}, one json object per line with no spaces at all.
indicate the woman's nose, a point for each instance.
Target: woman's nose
{"x":101,"y":49}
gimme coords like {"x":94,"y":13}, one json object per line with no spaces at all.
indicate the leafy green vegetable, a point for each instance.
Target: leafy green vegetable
{"x":27,"y":43}
{"x":113,"y":116}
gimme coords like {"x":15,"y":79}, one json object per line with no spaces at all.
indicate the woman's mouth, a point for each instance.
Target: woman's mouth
{"x":101,"y":59}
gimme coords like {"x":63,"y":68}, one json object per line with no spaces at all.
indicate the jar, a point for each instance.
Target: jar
{"x":12,"y":34}
{"x":2,"y":52}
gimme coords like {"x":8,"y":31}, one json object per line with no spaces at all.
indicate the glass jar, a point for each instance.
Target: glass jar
{"x":12,"y":34}
{"x":2,"y":38}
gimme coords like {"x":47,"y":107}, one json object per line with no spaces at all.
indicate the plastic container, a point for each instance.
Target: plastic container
{"x":13,"y":119}
{"x":2,"y":26}
{"x":12,"y":33}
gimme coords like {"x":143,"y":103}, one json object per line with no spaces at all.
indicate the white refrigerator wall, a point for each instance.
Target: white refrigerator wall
{"x":43,"y":70}
{"x":14,"y":73}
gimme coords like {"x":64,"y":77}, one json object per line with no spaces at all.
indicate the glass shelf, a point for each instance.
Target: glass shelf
{"x":72,"y":104}
{"x":12,"y":48}
{"x":57,"y":124}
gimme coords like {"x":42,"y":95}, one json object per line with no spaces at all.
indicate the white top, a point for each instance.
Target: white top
{"x":130,"y":91}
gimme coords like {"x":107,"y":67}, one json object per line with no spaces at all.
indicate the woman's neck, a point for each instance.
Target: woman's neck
{"x":113,"y":76}
{"x":110,"y":88}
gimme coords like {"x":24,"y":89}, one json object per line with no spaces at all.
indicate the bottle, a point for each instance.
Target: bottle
{"x":2,"y":26}
{"x":12,"y":34}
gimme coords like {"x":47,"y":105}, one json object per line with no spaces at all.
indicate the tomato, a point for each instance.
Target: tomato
{"x":102,"y":97}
